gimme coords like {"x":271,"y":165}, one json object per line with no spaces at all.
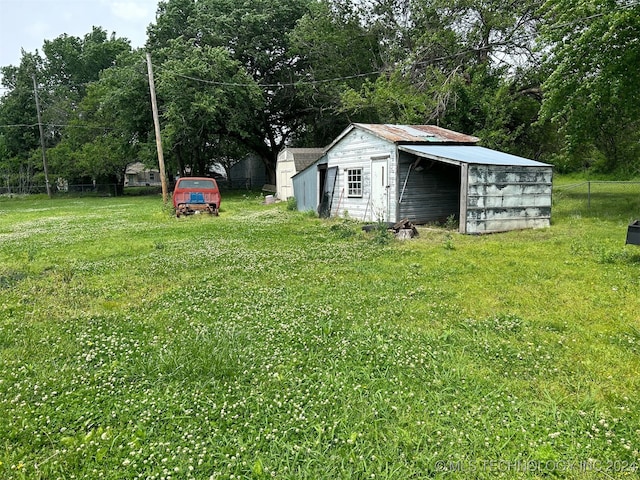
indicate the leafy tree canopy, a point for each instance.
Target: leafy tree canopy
{"x":206,"y":95}
{"x":593,"y":92}
{"x":255,"y":35}
{"x":111,"y":127}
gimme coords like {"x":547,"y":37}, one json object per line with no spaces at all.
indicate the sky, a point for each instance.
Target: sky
{"x":26,"y":24}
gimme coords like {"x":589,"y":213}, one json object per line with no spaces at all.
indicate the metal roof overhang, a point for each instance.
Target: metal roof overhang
{"x":470,"y":154}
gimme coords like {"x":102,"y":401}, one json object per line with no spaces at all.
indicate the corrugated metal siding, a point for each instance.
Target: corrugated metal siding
{"x":430,"y":195}
{"x":502,"y":198}
{"x":249,"y":172}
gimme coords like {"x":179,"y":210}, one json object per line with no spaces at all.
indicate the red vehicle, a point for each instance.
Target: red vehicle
{"x":196,"y":194}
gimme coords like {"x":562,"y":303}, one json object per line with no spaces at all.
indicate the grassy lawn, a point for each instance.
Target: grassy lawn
{"x":267,"y":343}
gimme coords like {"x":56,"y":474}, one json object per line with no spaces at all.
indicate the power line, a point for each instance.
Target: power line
{"x":57,"y":125}
{"x":278,"y":85}
{"x":328,"y":80}
{"x":624,"y":4}
{"x":467,"y":51}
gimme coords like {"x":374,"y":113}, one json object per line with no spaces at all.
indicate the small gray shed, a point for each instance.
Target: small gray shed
{"x":249,"y":172}
{"x":426,"y":173}
{"x":306,"y":186}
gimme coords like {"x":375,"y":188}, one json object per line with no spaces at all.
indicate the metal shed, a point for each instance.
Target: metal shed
{"x":427,"y":173}
{"x":494,"y":191}
{"x":249,"y":172}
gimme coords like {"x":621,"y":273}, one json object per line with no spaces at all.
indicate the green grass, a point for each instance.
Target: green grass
{"x":266,"y":343}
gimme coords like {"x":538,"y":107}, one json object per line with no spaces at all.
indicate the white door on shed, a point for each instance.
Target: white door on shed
{"x":380,"y":190}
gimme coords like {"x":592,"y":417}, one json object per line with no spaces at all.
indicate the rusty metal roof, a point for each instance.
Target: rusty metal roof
{"x":417,"y":134}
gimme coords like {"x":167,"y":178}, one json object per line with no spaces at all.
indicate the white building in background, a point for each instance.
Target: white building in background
{"x":291,"y":161}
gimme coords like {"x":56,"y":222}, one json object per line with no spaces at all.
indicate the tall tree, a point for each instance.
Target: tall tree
{"x":441,"y":57}
{"x":63,"y":75}
{"x":593,"y":92}
{"x":340,"y":53}
{"x":206,"y":96}
{"x":19,"y":123}
{"x":174,"y":19}
{"x":111,"y":127}
{"x":70,"y":65}
{"x":255,"y":34}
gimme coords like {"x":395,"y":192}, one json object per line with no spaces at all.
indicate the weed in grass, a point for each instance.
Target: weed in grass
{"x":166,"y":208}
{"x":451,"y":223}
{"x":11,"y":278}
{"x":344,"y":228}
{"x":292,"y":204}
{"x":66,"y":272}
{"x":381,"y":234}
{"x":604,"y":253}
{"x":447,"y":243}
{"x":31,"y":251}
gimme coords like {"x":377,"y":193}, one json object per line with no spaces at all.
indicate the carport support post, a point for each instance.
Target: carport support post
{"x":156,"y":123}
{"x":464,"y":196}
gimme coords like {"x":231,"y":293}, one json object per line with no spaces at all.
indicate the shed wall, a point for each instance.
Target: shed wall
{"x":357,"y":150}
{"x":431,"y":194}
{"x":250,"y":172}
{"x":306,"y":188}
{"x":285,"y":169}
{"x":502,"y":198}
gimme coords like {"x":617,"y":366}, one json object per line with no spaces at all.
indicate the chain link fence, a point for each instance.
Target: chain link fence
{"x":594,"y":198}
{"x":598,"y":198}
{"x":109,"y":190}
{"x":89,"y":189}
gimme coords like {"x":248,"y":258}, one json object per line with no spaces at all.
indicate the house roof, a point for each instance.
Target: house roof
{"x":303,"y":157}
{"x":138,"y":167}
{"x":471,"y":154}
{"x":414,"y":133}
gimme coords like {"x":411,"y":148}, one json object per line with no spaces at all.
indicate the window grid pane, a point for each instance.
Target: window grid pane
{"x":354,"y":182}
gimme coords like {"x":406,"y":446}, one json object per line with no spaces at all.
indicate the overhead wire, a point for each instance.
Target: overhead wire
{"x":56,"y":125}
{"x":623,"y":4}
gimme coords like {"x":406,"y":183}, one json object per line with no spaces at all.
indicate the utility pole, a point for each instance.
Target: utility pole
{"x":156,"y":122}
{"x":44,"y":155}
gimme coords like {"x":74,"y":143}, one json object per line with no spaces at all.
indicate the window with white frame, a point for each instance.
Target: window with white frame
{"x":354,"y":182}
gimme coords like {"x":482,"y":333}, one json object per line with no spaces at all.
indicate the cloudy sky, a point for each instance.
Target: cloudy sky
{"x":27,"y":24}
